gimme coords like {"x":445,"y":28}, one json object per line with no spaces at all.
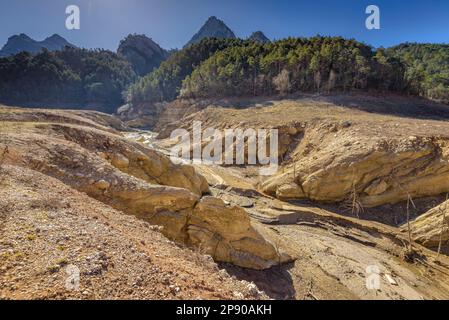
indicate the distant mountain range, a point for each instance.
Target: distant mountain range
{"x":216,"y":28}
{"x":142,"y":52}
{"x":22,"y":42}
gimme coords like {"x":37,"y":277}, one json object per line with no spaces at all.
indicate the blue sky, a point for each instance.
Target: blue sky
{"x":172,"y":23}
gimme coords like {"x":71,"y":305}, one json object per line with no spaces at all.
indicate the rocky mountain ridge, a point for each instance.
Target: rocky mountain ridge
{"x":213,"y":28}
{"x":22,"y":42}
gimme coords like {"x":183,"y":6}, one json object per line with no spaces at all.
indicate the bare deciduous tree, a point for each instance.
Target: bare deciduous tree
{"x":282,"y":82}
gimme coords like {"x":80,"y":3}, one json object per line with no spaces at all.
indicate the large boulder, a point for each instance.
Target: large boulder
{"x":226,"y":233}
{"x":333,"y":164}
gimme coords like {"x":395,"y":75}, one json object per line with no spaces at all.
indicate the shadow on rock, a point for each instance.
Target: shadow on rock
{"x":276,"y":282}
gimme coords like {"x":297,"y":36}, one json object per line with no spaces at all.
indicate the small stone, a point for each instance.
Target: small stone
{"x":346,"y":124}
{"x":223,"y":274}
{"x":253,"y":290}
{"x":102,"y":185}
{"x":120,"y":161}
{"x":174,"y":289}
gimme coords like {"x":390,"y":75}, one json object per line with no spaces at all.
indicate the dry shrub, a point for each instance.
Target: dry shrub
{"x":353,"y":203}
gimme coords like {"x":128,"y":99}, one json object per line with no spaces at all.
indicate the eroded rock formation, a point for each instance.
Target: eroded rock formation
{"x":370,"y":170}
{"x":325,"y":157}
{"x":143,"y":183}
{"x":432,"y":228}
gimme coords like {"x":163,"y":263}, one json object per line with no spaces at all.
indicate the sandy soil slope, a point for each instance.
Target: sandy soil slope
{"x":46,"y":226}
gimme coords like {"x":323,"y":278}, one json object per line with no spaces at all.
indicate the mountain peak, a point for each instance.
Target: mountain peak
{"x":21,"y":36}
{"x":213,"y":28}
{"x":213,"y":19}
{"x":258,"y":36}
{"x":55,"y":42}
{"x":23,"y":42}
{"x":55,"y":37}
{"x":142,"y":52}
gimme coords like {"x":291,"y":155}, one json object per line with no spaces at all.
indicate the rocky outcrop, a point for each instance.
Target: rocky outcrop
{"x":332,"y":164}
{"x":330,"y":156}
{"x":52,"y":229}
{"x":226,"y":233}
{"x":142,"y":116}
{"x":144,"y":183}
{"x":336,"y":161}
{"x":142,"y":52}
{"x":432,"y":227}
{"x":134,"y":159}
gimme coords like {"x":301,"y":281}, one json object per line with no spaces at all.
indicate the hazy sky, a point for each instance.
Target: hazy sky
{"x":172,"y":23}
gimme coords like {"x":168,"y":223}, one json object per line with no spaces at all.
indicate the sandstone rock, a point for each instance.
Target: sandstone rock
{"x":151,"y":188}
{"x":376,"y":188}
{"x":378,"y":171}
{"x":102,"y":185}
{"x":226,"y":233}
{"x":289,"y":191}
{"x":429,"y":228}
{"x":162,"y":206}
{"x":120,"y":161}
{"x":135,"y":159}
{"x":244,"y":202}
